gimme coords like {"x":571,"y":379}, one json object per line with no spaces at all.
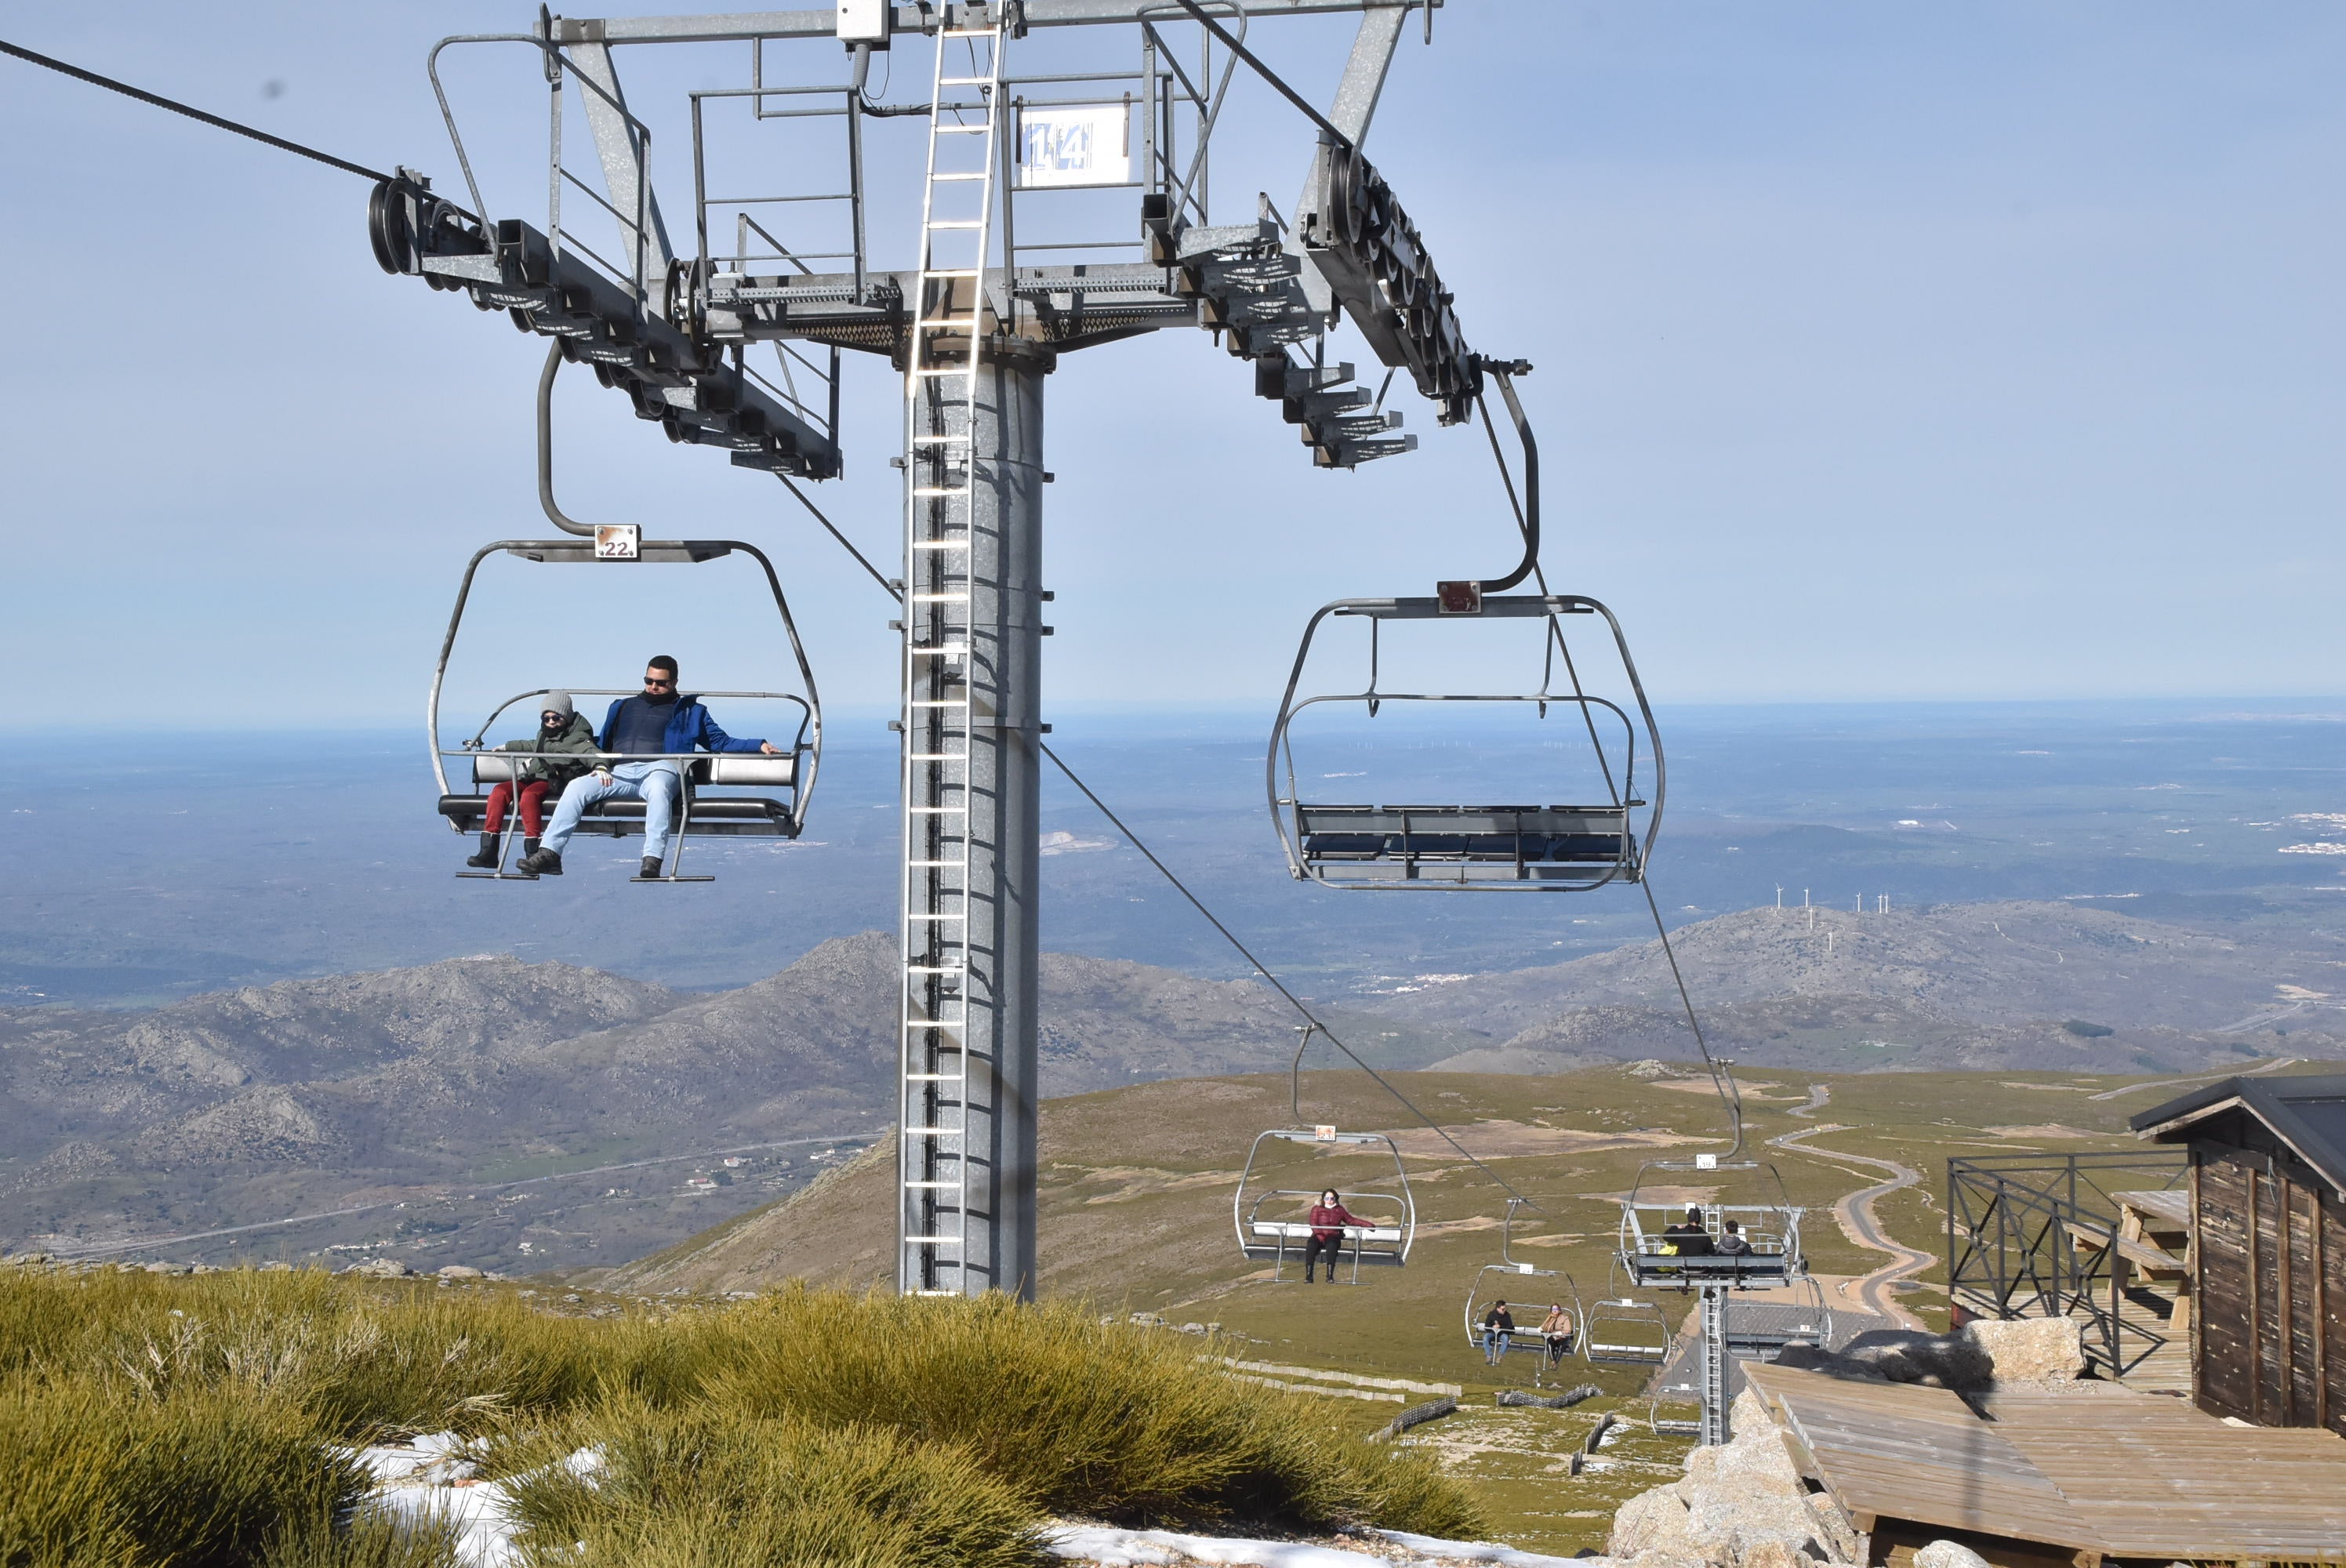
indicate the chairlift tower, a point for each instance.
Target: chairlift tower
{"x":973,"y":326}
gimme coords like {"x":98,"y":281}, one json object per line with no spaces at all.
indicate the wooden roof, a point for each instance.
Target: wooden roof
{"x":2308,"y":1114}
{"x":2086,"y":1467}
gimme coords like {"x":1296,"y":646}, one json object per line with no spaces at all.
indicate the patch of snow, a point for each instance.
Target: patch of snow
{"x":427,"y":1483}
{"x":1165,"y":1548}
{"x":1476,"y":1552}
{"x":1114,"y":1548}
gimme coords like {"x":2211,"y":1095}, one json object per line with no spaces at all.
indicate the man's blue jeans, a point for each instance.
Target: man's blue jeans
{"x":656,"y":784}
{"x":1495,"y":1344}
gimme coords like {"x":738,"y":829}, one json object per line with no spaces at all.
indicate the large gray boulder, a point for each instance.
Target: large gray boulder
{"x":1949,"y":1554}
{"x":1652,"y":1521}
{"x":1986,"y":1351}
{"x":2029,"y":1350}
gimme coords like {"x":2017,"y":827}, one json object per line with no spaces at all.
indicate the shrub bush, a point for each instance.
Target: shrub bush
{"x":149,"y":1420}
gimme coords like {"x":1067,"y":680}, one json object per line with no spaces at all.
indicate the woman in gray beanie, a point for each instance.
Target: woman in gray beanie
{"x":560,"y":730}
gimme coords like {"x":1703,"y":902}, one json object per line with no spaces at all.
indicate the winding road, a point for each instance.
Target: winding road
{"x":2195,"y":1078}
{"x":1855,"y":1214}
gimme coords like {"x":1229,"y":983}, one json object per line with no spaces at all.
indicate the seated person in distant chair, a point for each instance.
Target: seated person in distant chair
{"x":1557,"y":1329}
{"x":1329,"y":1218}
{"x":661,"y":720}
{"x":1688,"y":1239}
{"x":1731,"y":1242}
{"x":1498,"y":1333}
{"x":559,"y":729}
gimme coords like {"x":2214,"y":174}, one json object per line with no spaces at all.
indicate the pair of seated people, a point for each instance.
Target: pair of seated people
{"x":567,"y":755}
{"x":1689,"y":1237}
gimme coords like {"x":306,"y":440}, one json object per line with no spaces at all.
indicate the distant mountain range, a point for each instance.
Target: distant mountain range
{"x":518,"y":1117}
{"x":421,"y":1086}
{"x":1992,"y":985}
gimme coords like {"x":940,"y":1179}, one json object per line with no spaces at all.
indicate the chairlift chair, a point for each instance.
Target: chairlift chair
{"x":1622,"y":1329}
{"x":1274,"y":1235}
{"x":1453,"y":848}
{"x":1770,"y":1224}
{"x":725,"y":795}
{"x":1536,"y":847}
{"x":1268,"y":1219}
{"x":1526,"y":1335}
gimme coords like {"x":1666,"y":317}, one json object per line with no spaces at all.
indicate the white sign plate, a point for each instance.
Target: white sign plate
{"x":619,"y":542}
{"x":1075,"y":145}
{"x":1324,"y":1134}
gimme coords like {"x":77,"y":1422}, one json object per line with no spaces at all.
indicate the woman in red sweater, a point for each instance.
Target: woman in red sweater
{"x":1328,"y":1217}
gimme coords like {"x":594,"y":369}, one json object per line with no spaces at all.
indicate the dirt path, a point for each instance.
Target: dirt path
{"x":1859,"y":1223}
{"x":2195,"y":1078}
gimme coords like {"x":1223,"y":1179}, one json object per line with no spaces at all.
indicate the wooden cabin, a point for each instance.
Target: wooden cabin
{"x":2268,"y":1245}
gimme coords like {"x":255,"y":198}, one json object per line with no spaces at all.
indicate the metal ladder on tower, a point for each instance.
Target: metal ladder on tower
{"x":941,"y":364}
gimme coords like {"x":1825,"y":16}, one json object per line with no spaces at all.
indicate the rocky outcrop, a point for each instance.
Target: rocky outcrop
{"x":1948,"y":1555}
{"x":1743,"y":1504}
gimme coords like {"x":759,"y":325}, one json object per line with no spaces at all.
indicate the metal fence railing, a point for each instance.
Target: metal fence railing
{"x":2037,"y":1235}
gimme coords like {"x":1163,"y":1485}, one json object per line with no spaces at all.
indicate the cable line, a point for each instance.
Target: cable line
{"x":1527,"y":510}
{"x":1195,"y":902}
{"x":126,"y":90}
{"x":1276,"y":983}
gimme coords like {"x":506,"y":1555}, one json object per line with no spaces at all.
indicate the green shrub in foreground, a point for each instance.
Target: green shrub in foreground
{"x":1068,"y":1414}
{"x":1085,"y":1418}
{"x":91,"y":1474}
{"x":712,"y":1487}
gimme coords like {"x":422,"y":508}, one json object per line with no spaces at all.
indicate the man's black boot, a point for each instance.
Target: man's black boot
{"x":650,"y":866}
{"x":485,"y":858}
{"x":542,"y":863}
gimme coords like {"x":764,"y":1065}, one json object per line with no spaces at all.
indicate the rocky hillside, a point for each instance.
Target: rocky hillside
{"x":1964,"y":985}
{"x":401,"y":1087}
{"x":530,"y":1116}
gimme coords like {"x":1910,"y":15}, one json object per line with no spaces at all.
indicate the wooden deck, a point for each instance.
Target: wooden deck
{"x":2087,"y":1469}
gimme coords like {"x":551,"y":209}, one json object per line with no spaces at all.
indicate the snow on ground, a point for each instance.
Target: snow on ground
{"x":428,"y":1482}
{"x":1111,"y":1548}
{"x":431,"y":1482}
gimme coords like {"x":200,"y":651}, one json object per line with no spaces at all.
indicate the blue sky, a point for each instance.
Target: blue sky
{"x":1885,"y":352}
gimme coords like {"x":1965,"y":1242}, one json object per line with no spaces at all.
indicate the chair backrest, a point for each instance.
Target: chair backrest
{"x":497,"y":767}
{"x":736,"y":768}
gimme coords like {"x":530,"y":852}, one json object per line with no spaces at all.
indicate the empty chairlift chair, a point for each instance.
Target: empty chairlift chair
{"x":1624,"y":1329}
{"x":725,"y":794}
{"x":1442,"y":847}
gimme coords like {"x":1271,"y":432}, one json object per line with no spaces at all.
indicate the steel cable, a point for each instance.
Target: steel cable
{"x":1722,"y":1079}
{"x":143,"y":96}
{"x":1196,"y":903}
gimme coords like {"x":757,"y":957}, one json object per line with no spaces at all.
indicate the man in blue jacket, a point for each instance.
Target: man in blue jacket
{"x":659,"y":726}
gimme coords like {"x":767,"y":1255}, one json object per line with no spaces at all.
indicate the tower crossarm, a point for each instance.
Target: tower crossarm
{"x":688,"y":389}
{"x":821,"y":23}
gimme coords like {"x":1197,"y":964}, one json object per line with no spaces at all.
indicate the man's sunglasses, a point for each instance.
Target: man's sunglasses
{"x":660,"y":680}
